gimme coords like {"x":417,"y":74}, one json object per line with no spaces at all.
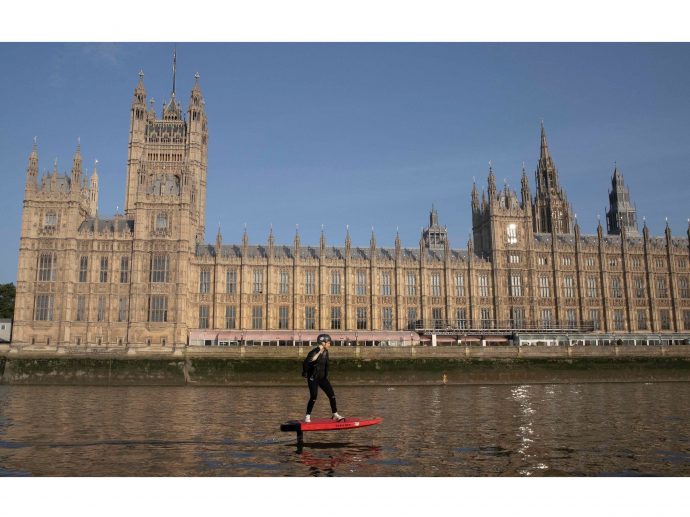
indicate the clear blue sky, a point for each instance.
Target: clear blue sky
{"x":362,"y":134}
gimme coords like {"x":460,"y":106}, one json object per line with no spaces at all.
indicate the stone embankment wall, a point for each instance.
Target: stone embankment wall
{"x":350,"y":365}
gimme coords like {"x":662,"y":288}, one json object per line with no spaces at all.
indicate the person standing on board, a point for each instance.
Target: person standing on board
{"x":315,"y":369}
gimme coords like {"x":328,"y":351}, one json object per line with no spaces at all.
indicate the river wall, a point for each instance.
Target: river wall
{"x":349,"y":365}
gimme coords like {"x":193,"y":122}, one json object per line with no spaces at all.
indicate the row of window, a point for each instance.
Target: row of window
{"x":590,"y":261}
{"x":160,"y":273}
{"x":158,"y":312}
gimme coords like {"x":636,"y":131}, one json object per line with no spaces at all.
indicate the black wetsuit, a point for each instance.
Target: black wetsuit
{"x":316,"y":372}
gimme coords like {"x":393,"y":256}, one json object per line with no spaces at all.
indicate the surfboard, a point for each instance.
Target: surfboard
{"x":328,"y":424}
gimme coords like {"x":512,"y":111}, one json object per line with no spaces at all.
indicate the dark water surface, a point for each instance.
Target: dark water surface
{"x":589,"y":429}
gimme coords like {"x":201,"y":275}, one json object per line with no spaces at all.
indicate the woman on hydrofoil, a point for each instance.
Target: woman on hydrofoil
{"x":315,"y":369}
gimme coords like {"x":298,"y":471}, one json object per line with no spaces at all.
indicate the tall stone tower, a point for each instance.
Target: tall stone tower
{"x":166,"y":165}
{"x":621,"y":213}
{"x":551,"y":207}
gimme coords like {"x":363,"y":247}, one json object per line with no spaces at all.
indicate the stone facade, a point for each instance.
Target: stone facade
{"x":147,"y":276}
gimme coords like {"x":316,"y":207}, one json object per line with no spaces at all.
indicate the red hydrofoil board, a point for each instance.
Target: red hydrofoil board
{"x":328,"y":424}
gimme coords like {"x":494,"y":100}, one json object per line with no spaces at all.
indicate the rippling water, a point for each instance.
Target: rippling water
{"x":592,"y":429}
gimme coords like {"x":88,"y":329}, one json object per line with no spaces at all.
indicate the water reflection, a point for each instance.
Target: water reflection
{"x":618,"y":429}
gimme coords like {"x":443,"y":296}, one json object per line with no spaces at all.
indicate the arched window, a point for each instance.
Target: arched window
{"x":161,"y":221}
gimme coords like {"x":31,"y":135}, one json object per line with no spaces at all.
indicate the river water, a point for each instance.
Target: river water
{"x":588,"y":429}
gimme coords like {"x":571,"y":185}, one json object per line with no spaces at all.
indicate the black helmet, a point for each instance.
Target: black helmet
{"x":324,"y":338}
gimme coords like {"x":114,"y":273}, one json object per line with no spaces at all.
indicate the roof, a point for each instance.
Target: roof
{"x":118,"y":224}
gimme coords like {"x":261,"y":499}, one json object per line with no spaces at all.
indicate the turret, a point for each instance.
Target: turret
{"x":93,"y":191}
{"x":348,"y":241}
{"x":492,"y":185}
{"x":526,"y":195}
{"x":76,"y":168}
{"x":475,"y":198}
{"x":32,"y":169}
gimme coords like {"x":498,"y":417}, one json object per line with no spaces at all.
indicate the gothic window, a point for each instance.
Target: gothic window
{"x":461,"y":318}
{"x":659,"y":262}
{"x":204,"y":281}
{"x":511,"y":231}
{"x":411,"y":318}
{"x":258,"y":285}
{"x":544,"y":287}
{"x":437,"y":317}
{"x":387,"y":318}
{"x":513,"y":259}
{"x":569,"y":287}
{"x":594,"y":318}
{"x":44,"y":307}
{"x":683,"y":285}
{"x":203,"y":317}
{"x":483,"y":285}
{"x":616,"y":289}
{"x":83,"y":269}
{"x":284,"y":282}
{"x":665,"y":318}
{"x":385,"y":283}
{"x":592,"y":287}
{"x":590,"y":261}
{"x":485,"y":318}
{"x":686,"y":320}
{"x":570,"y":318}
{"x":641,"y":319}
{"x":546,"y":318}
{"x":161,"y":221}
{"x":160,"y":264}
{"x":361,"y":286}
{"x":517,"y":315}
{"x":361,"y":318}
{"x":335,"y":282}
{"x":283,"y":317}
{"x":309,"y":281}
{"x":661,"y":290}
{"x":101,"y":312}
{"x":618,"y":322}
{"x":542,"y":260}
{"x":230,"y":316}
{"x":638,"y":284}
{"x":566,"y":261}
{"x":81,"y":308}
{"x":411,"y":284}
{"x":103,"y":276}
{"x":636,"y":262}
{"x":122,"y":309}
{"x":435,"y":284}
{"x":459,"y":285}
{"x":158,"y":308}
{"x":309,"y":318}
{"x":124,"y":270}
{"x":47,"y":263}
{"x":515,"y":285}
{"x":50,"y":221}
{"x":231,"y":282}
{"x":335,"y":318}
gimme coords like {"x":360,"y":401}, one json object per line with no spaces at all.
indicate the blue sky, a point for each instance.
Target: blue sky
{"x":362,"y":134}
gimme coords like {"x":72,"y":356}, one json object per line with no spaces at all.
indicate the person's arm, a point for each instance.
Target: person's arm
{"x":316,"y":355}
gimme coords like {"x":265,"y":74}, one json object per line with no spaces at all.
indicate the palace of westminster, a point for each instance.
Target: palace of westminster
{"x":148,"y":278}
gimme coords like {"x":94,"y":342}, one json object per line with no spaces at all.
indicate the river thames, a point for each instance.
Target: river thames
{"x":570,"y":429}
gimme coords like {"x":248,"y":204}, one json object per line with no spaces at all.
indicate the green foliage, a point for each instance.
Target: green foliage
{"x":7,"y":293}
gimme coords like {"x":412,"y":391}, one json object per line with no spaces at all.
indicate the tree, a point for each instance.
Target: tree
{"x":7,"y":294}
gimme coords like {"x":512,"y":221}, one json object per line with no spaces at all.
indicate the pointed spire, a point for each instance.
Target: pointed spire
{"x":544,"y":151}
{"x":475,"y":197}
{"x":492,"y":183}
{"x":372,"y":241}
{"x":397,"y":239}
{"x":271,"y":239}
{"x":297,"y":241}
{"x":322,"y":240}
{"x":348,"y":240}
{"x":245,"y":238}
{"x":32,"y":168}
{"x":219,"y":238}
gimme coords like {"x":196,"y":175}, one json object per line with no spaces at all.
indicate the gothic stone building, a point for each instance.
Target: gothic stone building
{"x":147,"y":277}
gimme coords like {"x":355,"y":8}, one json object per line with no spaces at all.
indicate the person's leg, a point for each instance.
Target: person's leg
{"x":313,"y":393}
{"x":328,"y":390}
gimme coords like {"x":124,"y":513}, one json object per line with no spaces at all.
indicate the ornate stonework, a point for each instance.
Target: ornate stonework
{"x":147,"y":276}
